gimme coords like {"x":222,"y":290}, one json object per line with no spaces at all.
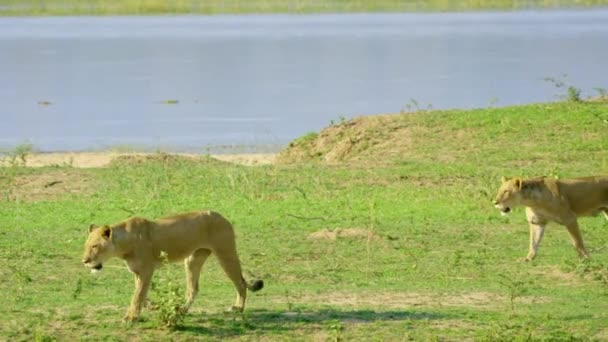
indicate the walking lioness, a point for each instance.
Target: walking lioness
{"x":561,"y":201}
{"x":144,"y":244}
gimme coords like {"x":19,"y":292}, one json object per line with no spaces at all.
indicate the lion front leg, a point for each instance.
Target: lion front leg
{"x":537,"y":228}
{"x":536,"y":234}
{"x":142,"y":284}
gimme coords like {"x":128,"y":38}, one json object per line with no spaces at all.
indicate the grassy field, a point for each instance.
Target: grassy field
{"x":137,"y":7}
{"x":379,"y":228}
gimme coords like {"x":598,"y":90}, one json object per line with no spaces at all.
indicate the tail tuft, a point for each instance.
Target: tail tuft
{"x":256,"y":285}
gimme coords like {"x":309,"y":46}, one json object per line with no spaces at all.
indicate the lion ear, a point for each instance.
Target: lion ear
{"x":518,"y":183}
{"x":504,"y":179}
{"x":106,"y":232}
{"x":91,"y":227}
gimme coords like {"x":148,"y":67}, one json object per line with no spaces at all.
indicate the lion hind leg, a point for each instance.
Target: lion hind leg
{"x":229,"y":261}
{"x":577,"y":239}
{"x":193,"y":264}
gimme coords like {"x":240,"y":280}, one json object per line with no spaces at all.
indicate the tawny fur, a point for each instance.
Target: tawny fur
{"x":145,"y":244}
{"x":558,"y":200}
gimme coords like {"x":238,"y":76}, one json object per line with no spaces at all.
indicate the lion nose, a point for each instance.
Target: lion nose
{"x":86,"y":261}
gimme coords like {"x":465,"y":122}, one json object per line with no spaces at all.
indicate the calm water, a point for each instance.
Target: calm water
{"x":264,"y":80}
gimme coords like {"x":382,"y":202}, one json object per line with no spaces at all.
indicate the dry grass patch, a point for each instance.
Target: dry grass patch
{"x":333,"y":234}
{"x":348,"y":140}
{"x":52,"y":185}
{"x":138,"y":159}
{"x":380,"y":139}
{"x":404,"y":300}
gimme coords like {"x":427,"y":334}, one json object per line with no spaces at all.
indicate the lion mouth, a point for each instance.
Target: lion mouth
{"x":97,"y":267}
{"x":504,"y":210}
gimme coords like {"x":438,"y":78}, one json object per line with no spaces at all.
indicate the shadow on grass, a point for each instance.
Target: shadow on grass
{"x":265,"y":321}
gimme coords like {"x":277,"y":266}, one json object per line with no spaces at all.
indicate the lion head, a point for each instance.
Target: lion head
{"x":509,"y":194}
{"x":98,"y":247}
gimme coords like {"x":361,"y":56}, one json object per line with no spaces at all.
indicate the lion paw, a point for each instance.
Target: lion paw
{"x":234,"y":309}
{"x":130,"y":318}
{"x":527,"y":259}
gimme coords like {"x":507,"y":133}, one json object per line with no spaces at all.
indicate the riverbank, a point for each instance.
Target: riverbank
{"x":206,"y":7}
{"x":103,"y":159}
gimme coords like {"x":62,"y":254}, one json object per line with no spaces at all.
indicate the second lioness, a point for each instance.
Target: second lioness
{"x":145,"y":244}
{"x":562,"y":201}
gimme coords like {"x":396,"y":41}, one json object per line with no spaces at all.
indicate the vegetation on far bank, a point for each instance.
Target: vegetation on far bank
{"x":377,"y":228}
{"x":150,"y":7}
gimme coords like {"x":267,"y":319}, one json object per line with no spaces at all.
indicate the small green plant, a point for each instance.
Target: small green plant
{"x":335,"y":329}
{"x":18,"y":156}
{"x":516,"y":288}
{"x":77,"y":289}
{"x":573,"y":94}
{"x":412,"y":105}
{"x":602,"y":92}
{"x":288,"y":301}
{"x":169,"y":305}
{"x":41,"y":336}
{"x":21,"y":278}
{"x":341,"y":120}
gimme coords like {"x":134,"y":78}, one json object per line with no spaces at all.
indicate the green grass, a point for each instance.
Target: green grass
{"x":442,"y":265}
{"x":148,"y":7}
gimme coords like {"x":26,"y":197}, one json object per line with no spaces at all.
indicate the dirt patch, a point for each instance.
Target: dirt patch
{"x":328,"y":234}
{"x":403,"y":300}
{"x":52,"y":185}
{"x":448,"y":324}
{"x":555,"y":274}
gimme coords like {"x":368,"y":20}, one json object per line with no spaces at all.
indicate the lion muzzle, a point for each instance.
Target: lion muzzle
{"x":503,"y":209}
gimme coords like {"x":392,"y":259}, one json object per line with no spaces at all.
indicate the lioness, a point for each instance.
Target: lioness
{"x":561,"y":201}
{"x":144,"y":244}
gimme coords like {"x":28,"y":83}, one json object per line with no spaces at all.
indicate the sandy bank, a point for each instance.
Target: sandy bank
{"x":101,"y":159}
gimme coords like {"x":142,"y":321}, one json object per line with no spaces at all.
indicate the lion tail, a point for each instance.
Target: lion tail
{"x":255,"y":285}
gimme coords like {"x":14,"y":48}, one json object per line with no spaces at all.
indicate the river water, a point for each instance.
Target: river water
{"x":194,"y":83}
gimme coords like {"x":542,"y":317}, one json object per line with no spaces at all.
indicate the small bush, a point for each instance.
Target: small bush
{"x":574,"y":94}
{"x":169,"y":306}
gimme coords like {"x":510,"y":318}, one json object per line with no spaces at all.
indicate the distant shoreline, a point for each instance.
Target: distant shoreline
{"x":212,"y":7}
{"x":102,"y":159}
